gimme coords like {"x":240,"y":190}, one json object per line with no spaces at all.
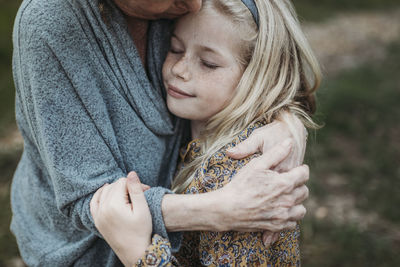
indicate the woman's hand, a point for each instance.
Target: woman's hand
{"x":264,"y":138}
{"x":122,"y":216}
{"x":261,"y":199}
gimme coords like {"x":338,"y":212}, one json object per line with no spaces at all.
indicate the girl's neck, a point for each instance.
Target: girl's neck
{"x":138,"y":31}
{"x":196,"y":128}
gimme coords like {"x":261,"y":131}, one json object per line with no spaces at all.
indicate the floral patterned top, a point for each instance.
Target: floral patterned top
{"x":158,"y":254}
{"x":230,"y":248}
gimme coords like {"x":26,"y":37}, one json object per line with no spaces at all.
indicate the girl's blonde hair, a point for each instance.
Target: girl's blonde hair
{"x":281,"y":75}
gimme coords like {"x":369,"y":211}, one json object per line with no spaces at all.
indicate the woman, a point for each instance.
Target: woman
{"x":90,"y":108}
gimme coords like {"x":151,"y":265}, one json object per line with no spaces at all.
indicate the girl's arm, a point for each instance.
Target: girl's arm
{"x":130,"y":236}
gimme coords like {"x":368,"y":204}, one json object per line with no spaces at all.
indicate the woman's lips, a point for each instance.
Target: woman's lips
{"x":177,"y":93}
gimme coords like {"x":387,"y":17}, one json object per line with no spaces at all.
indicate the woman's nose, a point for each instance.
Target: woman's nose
{"x":180,"y":69}
{"x":189,"y":5}
{"x":194,"y":5}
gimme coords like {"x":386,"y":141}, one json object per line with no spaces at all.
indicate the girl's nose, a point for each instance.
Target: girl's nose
{"x":180,"y":69}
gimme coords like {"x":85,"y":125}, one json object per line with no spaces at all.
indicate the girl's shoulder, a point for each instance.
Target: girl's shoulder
{"x":219,"y":169}
{"x":221,"y":158}
{"x":244,"y":134}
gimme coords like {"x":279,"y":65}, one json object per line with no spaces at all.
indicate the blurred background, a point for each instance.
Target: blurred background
{"x":353,"y":214}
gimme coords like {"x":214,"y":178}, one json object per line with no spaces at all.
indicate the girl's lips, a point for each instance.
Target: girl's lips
{"x":177,"y":93}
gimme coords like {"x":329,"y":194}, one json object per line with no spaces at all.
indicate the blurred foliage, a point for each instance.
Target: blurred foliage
{"x":323,"y":9}
{"x":327,"y":244}
{"x":361,"y":118}
{"x":361,"y":143}
{"x":8,"y":246}
{"x":8,"y":159}
{"x":7,"y":14}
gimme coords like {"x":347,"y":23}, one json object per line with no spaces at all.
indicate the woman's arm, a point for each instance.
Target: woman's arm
{"x":214,"y":247}
{"x":286,"y":125}
{"x":264,"y":138}
{"x":256,"y":199}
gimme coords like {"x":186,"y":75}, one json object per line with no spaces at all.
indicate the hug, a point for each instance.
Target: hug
{"x":161,"y":132}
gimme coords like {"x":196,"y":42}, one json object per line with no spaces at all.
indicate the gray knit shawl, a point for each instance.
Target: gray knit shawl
{"x":89,"y":113}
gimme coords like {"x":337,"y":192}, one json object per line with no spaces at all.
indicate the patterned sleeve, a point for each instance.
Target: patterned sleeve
{"x":238,"y":248}
{"x":158,"y":254}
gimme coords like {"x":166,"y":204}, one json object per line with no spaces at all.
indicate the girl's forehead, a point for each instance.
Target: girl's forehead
{"x":208,"y":28}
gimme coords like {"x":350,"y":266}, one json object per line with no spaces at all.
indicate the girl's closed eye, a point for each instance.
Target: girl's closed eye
{"x":176,"y":47}
{"x":209,"y":64}
{"x":174,"y":50}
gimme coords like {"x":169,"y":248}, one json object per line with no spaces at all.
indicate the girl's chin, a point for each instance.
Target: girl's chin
{"x":175,"y":111}
{"x":180,"y":114}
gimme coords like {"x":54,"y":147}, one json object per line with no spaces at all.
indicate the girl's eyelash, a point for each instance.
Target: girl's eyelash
{"x":175,"y":51}
{"x":209,"y":65}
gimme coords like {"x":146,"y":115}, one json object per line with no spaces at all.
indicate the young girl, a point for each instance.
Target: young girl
{"x":232,"y":67}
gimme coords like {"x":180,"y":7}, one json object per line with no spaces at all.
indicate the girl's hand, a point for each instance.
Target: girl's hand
{"x":121,"y":214}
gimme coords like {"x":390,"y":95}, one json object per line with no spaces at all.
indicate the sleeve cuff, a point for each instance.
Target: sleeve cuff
{"x":154,"y":197}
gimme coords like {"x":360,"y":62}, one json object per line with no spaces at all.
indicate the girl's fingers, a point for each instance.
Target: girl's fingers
{"x":119,"y":192}
{"x":105,"y":191}
{"x":95,"y":201}
{"x":145,"y":187}
{"x":135,"y":191}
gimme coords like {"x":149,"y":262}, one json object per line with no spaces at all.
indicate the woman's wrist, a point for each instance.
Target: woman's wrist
{"x":194,"y":212}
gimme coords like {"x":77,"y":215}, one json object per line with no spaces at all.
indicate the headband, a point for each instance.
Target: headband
{"x":253,"y":9}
